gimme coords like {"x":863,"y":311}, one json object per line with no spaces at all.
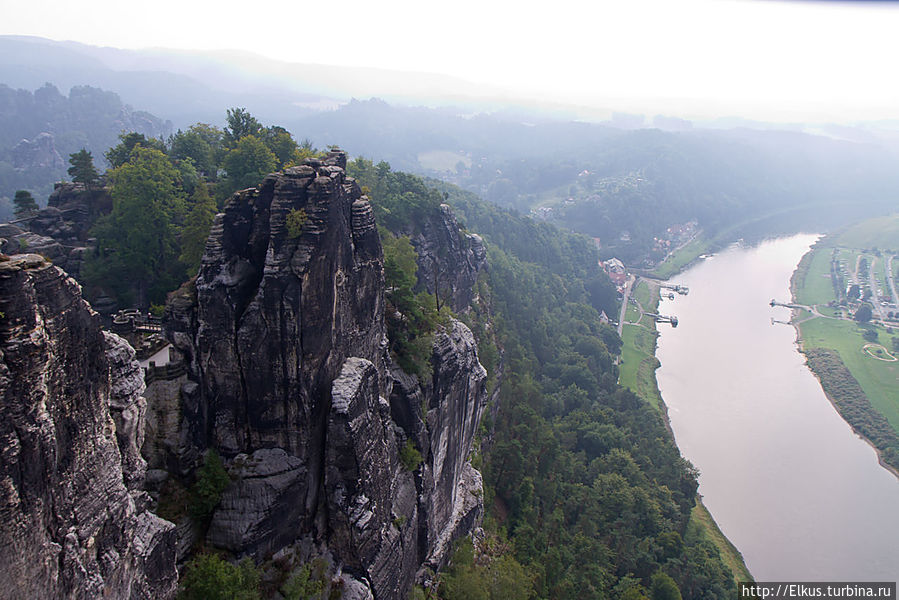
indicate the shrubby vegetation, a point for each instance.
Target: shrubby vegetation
{"x":209,"y":577}
{"x":206,"y":493}
{"x":849,"y":398}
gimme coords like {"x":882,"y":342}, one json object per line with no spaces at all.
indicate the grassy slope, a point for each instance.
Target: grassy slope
{"x":638,"y":361}
{"x":702,"y":524}
{"x":682,"y":257}
{"x":816,"y":287}
{"x":880,"y":232}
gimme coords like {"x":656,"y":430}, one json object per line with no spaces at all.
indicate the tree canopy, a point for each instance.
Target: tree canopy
{"x":137,"y":242}
{"x":247,"y":164}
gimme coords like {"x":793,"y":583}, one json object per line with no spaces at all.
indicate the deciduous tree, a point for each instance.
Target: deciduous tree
{"x":248,"y":163}
{"x":196,"y":228}
{"x":137,"y":241}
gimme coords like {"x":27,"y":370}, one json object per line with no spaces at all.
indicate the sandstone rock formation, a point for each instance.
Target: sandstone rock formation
{"x":61,"y":230}
{"x":448,"y":260}
{"x":73,"y":521}
{"x":37,"y":153}
{"x":285,"y":340}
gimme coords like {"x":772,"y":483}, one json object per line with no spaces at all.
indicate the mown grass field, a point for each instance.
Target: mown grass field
{"x":815,"y":286}
{"x":879,"y":379}
{"x":681,"y":258}
{"x":637,"y":370}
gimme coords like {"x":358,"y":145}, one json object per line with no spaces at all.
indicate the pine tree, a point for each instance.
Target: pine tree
{"x":24,"y":203}
{"x":82,"y":169}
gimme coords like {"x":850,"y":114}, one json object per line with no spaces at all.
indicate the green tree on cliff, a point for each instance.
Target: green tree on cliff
{"x":240,"y":124}
{"x":24,"y":203}
{"x":119,"y":154}
{"x":202,"y":144}
{"x":196,"y":228}
{"x":82,"y":169}
{"x":281,"y":143}
{"x":247,"y":164}
{"x":137,"y":243}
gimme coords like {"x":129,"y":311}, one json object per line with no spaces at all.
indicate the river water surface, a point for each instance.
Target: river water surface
{"x":800,"y":495}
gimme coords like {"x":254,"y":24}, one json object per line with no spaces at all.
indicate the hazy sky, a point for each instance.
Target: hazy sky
{"x":778,"y":59}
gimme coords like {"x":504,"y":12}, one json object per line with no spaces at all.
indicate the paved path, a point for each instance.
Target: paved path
{"x":890,"y":280}
{"x":875,"y":289}
{"x":629,"y":286}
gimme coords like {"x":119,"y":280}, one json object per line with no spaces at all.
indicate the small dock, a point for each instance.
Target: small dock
{"x":785,"y":305}
{"x":680,"y":289}
{"x":663,"y":318}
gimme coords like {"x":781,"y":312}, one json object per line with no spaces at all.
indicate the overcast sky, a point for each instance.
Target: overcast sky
{"x":755,"y":58}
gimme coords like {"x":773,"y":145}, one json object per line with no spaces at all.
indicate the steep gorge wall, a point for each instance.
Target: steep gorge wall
{"x":292,"y":383}
{"x":73,"y":521}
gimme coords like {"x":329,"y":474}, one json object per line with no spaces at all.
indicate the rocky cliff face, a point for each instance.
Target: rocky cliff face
{"x":70,"y":431}
{"x":286,"y":343}
{"x":448,"y":260}
{"x":39,"y":153}
{"x":61,"y":230}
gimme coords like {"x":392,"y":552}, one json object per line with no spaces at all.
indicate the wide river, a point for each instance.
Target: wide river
{"x":800,"y":495}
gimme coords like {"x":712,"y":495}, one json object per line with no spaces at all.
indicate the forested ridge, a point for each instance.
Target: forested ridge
{"x":585,"y":487}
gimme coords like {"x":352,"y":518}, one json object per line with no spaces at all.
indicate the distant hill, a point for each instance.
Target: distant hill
{"x":623,"y":185}
{"x":190,"y":87}
{"x":38,"y":131}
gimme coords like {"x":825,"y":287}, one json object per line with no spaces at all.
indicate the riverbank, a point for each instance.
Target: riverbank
{"x":861,"y":388}
{"x":637,"y":371}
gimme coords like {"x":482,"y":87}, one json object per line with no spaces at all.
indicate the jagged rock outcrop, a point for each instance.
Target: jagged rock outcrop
{"x":448,"y":260}
{"x":285,"y":339}
{"x":61,"y":230}
{"x":73,"y":521}
{"x":38,"y":153}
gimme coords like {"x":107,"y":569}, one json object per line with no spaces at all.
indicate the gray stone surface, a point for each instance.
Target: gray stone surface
{"x":285,"y":342}
{"x":448,"y":261}
{"x":69,"y":425}
{"x":261,"y":498}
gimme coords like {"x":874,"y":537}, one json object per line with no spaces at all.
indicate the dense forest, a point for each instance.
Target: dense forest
{"x":586,"y":488}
